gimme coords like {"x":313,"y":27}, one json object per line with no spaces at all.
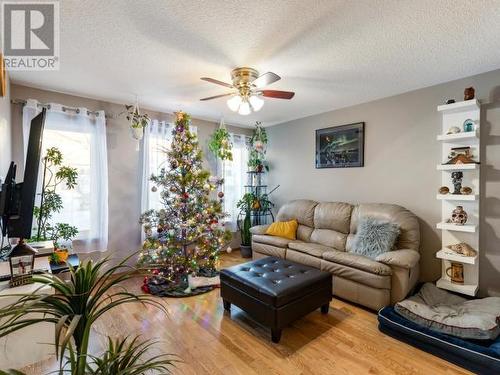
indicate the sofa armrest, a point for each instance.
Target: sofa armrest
{"x":259,"y":229}
{"x":405,"y":258}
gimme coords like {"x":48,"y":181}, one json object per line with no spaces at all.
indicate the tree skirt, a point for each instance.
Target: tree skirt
{"x":186,"y":286}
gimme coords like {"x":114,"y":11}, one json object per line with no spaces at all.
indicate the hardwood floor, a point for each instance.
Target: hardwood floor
{"x":210,"y":341}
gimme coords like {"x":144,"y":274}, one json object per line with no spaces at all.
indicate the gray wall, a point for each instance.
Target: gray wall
{"x":5,"y":132}
{"x":124,"y":166}
{"x":401,"y":153}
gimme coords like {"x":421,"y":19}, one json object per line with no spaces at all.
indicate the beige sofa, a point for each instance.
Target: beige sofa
{"x":324,"y":240}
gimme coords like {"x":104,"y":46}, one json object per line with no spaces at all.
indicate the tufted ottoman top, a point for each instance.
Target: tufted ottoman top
{"x":275,"y":281}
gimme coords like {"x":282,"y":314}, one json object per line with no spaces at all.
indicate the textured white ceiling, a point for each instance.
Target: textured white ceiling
{"x":331,"y":53}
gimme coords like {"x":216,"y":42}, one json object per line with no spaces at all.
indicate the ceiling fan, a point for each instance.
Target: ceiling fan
{"x":248,"y":90}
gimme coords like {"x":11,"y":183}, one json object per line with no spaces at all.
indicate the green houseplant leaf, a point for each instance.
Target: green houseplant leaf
{"x":92,"y":291}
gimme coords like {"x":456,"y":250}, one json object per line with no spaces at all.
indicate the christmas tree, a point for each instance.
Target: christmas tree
{"x":185,"y":236}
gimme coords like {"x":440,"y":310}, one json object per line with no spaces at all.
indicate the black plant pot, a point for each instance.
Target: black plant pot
{"x":246,"y":251}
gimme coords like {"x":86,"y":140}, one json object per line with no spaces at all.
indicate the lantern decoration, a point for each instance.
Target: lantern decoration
{"x":22,"y":264}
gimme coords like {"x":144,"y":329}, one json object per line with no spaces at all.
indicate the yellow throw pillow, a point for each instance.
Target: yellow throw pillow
{"x":286,"y":229}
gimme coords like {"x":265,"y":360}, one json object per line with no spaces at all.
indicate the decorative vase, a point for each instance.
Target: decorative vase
{"x":469,"y":93}
{"x":468,"y":125}
{"x":459,"y":216}
{"x":137,"y":133}
{"x":456,"y":273}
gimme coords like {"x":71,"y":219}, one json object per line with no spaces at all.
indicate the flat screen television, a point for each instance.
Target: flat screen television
{"x":17,"y":200}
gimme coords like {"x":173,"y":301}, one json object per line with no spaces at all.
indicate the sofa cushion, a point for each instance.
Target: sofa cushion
{"x":284,"y":229}
{"x":409,"y":238}
{"x":259,"y":229}
{"x":301,"y":209}
{"x":356,"y":275}
{"x":304,"y":233}
{"x":333,"y":215}
{"x":374,"y":237}
{"x":310,"y":248}
{"x":267,"y":250}
{"x":358,"y":261}
{"x":271,"y":240}
{"x":303,"y":258}
{"x":329,"y":238}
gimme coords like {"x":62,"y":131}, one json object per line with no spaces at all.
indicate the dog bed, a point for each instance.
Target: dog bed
{"x":479,"y":356}
{"x":453,"y":315}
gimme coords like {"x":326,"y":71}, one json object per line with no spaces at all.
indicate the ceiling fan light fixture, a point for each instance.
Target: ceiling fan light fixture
{"x":256,"y":102}
{"x":234,"y":103}
{"x":244,"y":108}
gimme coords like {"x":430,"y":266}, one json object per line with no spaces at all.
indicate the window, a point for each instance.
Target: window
{"x":157,"y":140}
{"x":235,"y":178}
{"x":75,"y":148}
{"x":81,"y":138}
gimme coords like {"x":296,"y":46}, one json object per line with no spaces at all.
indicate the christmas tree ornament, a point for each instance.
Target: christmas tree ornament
{"x":220,"y":194}
{"x":229,"y":249}
{"x":154,"y":189}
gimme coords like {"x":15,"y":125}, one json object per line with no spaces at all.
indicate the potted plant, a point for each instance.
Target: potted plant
{"x":92,"y":291}
{"x":246,"y":204}
{"x":258,"y":142}
{"x":138,"y":121}
{"x":220,"y":143}
{"x":54,"y":175}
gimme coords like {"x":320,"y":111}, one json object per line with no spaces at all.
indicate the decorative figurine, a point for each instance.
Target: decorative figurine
{"x":22,"y":264}
{"x":459,"y":216}
{"x":453,"y":130}
{"x":443,"y":190}
{"x":469,"y":93}
{"x":468,"y":125}
{"x":460,"y":155}
{"x":463,"y":249}
{"x":466,"y":190}
{"x":457,"y":181}
{"x":449,"y":101}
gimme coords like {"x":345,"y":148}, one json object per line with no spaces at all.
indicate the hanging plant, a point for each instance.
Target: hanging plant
{"x":138,"y":121}
{"x":258,"y":143}
{"x":220,"y":143}
{"x":259,"y":138}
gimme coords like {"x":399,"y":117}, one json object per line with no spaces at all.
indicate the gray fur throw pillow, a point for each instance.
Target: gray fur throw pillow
{"x":374,"y":237}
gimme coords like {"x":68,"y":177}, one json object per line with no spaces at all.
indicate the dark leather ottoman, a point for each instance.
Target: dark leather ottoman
{"x":275,"y":292}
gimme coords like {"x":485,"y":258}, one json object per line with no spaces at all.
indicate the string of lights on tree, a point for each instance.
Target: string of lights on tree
{"x":185,"y":236}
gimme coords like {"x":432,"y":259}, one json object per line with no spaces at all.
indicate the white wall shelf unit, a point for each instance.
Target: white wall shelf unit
{"x":460,"y":107}
{"x":454,"y":115}
{"x":458,"y":137}
{"x":469,"y":228}
{"x":452,"y":256}
{"x":457,"y":197}
{"x":457,"y":167}
{"x":468,"y":289}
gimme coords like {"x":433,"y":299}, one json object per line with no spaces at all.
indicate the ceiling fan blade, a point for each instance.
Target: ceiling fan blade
{"x":217,"y":96}
{"x":211,"y":80}
{"x":277,"y":94}
{"x":266,"y":79}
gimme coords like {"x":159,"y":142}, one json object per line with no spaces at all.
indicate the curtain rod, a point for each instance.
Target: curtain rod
{"x":47,"y":105}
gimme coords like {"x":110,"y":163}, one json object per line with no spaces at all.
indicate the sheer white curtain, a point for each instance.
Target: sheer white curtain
{"x":235,"y":178}
{"x":156,"y":141}
{"x":81,"y":138}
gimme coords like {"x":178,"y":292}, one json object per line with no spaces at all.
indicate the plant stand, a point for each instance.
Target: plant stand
{"x":257,"y":187}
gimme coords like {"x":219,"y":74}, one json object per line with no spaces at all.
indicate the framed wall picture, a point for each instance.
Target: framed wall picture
{"x":3,"y":78}
{"x":340,"y":146}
